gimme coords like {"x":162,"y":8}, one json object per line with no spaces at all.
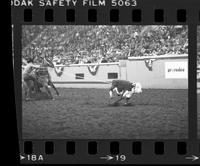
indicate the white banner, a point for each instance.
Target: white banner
{"x":176,"y":70}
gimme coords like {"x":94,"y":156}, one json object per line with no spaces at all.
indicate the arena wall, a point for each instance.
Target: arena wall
{"x":158,"y":78}
{"x":99,"y":80}
{"x":133,"y":69}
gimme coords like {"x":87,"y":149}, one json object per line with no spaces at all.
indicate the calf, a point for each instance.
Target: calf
{"x":125,"y":89}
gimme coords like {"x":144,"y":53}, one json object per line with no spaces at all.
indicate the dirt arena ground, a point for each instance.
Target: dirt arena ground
{"x":85,"y":114}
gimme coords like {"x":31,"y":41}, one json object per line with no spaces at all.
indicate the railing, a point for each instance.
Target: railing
{"x":88,"y":64}
{"x":166,"y":56}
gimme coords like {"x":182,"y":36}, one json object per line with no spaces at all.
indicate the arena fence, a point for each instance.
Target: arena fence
{"x":162,"y":72}
{"x":156,"y":72}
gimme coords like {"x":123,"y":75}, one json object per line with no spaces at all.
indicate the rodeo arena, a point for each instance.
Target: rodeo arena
{"x":104,"y":82}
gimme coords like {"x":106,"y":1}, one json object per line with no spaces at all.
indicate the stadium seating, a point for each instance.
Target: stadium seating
{"x":88,"y":44}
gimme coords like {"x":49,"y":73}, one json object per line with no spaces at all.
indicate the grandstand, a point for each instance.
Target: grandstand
{"x":91,"y":44}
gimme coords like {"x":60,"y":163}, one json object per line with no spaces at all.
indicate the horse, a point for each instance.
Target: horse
{"x":43,"y":79}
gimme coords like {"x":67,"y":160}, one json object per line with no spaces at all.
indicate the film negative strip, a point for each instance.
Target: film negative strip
{"x":107,"y":81}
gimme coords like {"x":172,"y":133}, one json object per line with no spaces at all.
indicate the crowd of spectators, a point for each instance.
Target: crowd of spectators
{"x":94,"y":44}
{"x":198,"y":53}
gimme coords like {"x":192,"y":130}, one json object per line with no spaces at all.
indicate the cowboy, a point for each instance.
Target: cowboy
{"x":125,"y":89}
{"x":29,"y":75}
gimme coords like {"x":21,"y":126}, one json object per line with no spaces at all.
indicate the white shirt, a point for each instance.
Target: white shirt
{"x":29,"y":67}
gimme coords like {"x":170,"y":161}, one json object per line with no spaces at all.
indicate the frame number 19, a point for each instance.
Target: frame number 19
{"x":120,"y":157}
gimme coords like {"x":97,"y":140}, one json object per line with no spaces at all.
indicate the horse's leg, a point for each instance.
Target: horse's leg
{"x":48,"y":90}
{"x":24,"y":87}
{"x":27,"y":90}
{"x":37,"y":85}
{"x":32,"y":87}
{"x":52,"y":85}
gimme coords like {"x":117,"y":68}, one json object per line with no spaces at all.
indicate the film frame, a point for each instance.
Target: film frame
{"x":175,"y":151}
